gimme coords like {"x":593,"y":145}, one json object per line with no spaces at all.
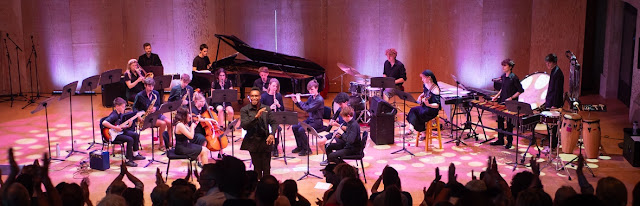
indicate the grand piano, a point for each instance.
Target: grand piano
{"x":293,"y":72}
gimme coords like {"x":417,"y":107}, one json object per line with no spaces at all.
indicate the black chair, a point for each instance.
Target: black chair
{"x":171,"y":155}
{"x":107,"y":144}
{"x":359,"y":156}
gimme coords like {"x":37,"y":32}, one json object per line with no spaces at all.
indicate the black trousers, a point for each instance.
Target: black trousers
{"x":336,"y":151}
{"x":261,"y":163}
{"x":509,"y":128}
{"x":132,"y":139}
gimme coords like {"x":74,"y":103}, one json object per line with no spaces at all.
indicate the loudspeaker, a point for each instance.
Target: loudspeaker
{"x":99,"y":160}
{"x":382,"y":128}
{"x":113,"y":90}
{"x":379,"y":106}
{"x":631,"y":148}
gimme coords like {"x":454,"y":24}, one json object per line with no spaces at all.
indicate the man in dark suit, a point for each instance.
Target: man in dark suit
{"x":148,"y":58}
{"x":555,"y":91}
{"x":178,"y":91}
{"x":256,"y":119}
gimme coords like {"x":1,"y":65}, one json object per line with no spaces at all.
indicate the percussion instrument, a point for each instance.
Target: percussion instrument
{"x":550,"y":117}
{"x":570,"y":131}
{"x":356,"y":88}
{"x":591,"y":137}
{"x":373,"y":91}
{"x":534,"y":85}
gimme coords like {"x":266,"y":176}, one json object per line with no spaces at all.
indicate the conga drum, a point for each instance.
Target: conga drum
{"x":570,"y":131}
{"x":591,"y":137}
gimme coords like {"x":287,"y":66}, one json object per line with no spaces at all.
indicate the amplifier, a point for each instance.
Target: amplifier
{"x":99,"y":160}
{"x":631,"y":148}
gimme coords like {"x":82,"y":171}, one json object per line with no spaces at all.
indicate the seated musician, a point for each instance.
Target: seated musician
{"x":222,"y":82}
{"x":554,"y":100}
{"x":148,"y":58}
{"x":198,"y":108}
{"x":511,"y":89}
{"x":178,"y":91}
{"x":348,"y":143}
{"x":115,"y":121}
{"x":342,"y":99}
{"x":393,"y":68}
{"x":201,"y":63}
{"x":142,"y":103}
{"x":133,"y":77}
{"x":263,"y":82}
{"x":315,"y":107}
{"x":429,"y":102}
{"x":184,"y":133}
{"x":273,"y":99}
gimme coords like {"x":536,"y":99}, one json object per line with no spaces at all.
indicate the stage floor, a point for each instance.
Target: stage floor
{"x":26,"y":133}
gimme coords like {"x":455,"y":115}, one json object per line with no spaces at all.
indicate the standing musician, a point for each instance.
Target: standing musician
{"x":273,"y":99}
{"x":184,"y":133}
{"x":256,"y":119}
{"x":221,"y":82}
{"x":133,"y":77}
{"x":114,"y":121}
{"x":148,"y":58}
{"x":511,"y":89}
{"x":142,"y":103}
{"x":348,"y":143}
{"x":201,"y":62}
{"x":393,"y":68}
{"x":555,"y":91}
{"x":315,"y":107}
{"x":178,"y":91}
{"x":429,"y":102}
{"x":263,"y":82}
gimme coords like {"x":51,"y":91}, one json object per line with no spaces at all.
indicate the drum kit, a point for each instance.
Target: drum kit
{"x":361,"y":91}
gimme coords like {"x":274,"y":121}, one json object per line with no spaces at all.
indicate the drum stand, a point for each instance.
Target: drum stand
{"x":558,"y":161}
{"x":580,"y":143}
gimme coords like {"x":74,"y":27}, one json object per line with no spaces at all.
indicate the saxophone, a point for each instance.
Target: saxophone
{"x":141,"y":119}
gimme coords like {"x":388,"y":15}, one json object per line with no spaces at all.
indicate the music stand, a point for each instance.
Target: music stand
{"x":90,"y":84}
{"x":43,"y":105}
{"x":111,"y":76}
{"x":68,"y":91}
{"x":404,"y":96}
{"x":310,"y":132}
{"x":228,"y":130}
{"x":224,"y":95}
{"x":285,"y":118}
{"x":383,"y":82}
{"x":156,"y":70}
{"x":519,"y":108}
{"x":168,"y":107}
{"x":162,"y":82}
{"x":149,"y":122}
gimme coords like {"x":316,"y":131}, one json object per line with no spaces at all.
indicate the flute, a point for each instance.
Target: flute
{"x":302,"y":95}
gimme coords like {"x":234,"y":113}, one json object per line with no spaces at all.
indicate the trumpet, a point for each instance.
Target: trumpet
{"x":293,"y":95}
{"x":148,"y":75}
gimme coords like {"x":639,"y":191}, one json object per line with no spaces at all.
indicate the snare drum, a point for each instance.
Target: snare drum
{"x":591,"y":137}
{"x":570,"y":132}
{"x":373,"y":91}
{"x":550,"y":117}
{"x":356,"y":88}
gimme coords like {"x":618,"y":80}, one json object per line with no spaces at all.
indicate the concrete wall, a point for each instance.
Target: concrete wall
{"x":468,"y":39}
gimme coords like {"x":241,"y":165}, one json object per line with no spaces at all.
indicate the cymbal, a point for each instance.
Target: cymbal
{"x":363,"y":76}
{"x":348,"y":69}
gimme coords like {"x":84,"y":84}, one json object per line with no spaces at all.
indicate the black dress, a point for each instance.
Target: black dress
{"x":184,"y":147}
{"x":419,"y":115}
{"x":131,"y":93}
{"x":216,"y":86}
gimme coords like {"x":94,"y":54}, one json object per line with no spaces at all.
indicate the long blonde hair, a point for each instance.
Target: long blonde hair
{"x":274,"y":80}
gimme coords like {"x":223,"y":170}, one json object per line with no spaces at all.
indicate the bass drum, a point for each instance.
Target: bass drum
{"x":535,"y":89}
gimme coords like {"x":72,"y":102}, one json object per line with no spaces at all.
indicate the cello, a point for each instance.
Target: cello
{"x":216,"y":141}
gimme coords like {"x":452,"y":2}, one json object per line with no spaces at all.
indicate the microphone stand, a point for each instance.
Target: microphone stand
{"x":18,"y":66}
{"x":33,"y":98}
{"x":11,"y":98}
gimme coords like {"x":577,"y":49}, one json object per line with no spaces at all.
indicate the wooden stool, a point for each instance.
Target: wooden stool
{"x":429,"y":138}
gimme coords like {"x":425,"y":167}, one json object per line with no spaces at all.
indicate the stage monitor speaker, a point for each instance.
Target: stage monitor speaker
{"x":379,"y":106}
{"x":113,"y":90}
{"x":631,"y":148}
{"x":382,"y":128}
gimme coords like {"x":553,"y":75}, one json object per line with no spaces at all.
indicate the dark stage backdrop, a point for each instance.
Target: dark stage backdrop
{"x":79,"y":38}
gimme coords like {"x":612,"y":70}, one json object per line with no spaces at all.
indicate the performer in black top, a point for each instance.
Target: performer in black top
{"x":315,"y":107}
{"x":222,"y":82}
{"x":273,"y":99}
{"x":198,"y":107}
{"x":555,"y":91}
{"x":394,"y":68}
{"x":148,"y":58}
{"x":429,"y":102}
{"x":184,"y":133}
{"x":142,"y":103}
{"x":256,"y":119}
{"x":201,"y":63}
{"x":114,"y":121}
{"x":178,"y":91}
{"x":263,"y":82}
{"x":511,"y":89}
{"x":348,"y":143}
{"x":133,"y":77}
